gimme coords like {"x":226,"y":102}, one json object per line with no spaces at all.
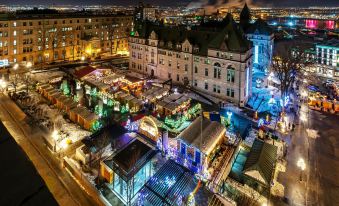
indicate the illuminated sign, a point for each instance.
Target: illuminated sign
{"x":4,"y":63}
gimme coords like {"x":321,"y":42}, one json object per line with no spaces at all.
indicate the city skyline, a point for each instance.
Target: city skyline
{"x":225,"y":3}
{"x":183,"y":103}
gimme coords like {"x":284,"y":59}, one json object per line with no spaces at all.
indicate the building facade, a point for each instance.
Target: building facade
{"x":43,"y":38}
{"x":214,"y":61}
{"x":328,"y":59}
{"x":149,"y":13}
{"x":262,"y":37}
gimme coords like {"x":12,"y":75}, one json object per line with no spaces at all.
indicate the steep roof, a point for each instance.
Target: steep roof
{"x":261,"y":161}
{"x":231,"y":38}
{"x":207,"y":35}
{"x":260,"y":27}
{"x":245,"y":14}
{"x":202,"y":134}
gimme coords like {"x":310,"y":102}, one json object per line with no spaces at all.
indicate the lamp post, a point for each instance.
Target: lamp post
{"x":55,"y":138}
{"x":302,"y":165}
{"x":3,"y":84}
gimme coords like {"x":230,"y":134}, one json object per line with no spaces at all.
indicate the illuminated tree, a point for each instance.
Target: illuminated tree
{"x":287,"y":63}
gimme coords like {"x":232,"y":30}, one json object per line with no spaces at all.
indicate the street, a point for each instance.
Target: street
{"x":63,"y":187}
{"x":314,"y":140}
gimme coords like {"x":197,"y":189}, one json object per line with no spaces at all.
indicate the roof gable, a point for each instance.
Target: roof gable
{"x":261,"y":158}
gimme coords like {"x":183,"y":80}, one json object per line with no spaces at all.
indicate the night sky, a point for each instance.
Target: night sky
{"x":283,"y":3}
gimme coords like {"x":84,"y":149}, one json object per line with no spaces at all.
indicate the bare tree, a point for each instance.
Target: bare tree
{"x":287,"y":63}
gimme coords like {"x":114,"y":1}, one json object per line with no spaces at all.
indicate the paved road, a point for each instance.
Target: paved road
{"x":316,"y":141}
{"x":63,"y":187}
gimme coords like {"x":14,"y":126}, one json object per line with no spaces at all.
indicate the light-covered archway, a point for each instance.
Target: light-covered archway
{"x":149,"y":127}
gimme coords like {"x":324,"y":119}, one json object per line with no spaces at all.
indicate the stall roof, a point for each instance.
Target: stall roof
{"x":91,"y":117}
{"x":128,"y":98}
{"x":84,"y":71}
{"x":136,"y":101}
{"x":171,"y":106}
{"x":100,"y":85}
{"x":154,"y":91}
{"x":44,"y":86}
{"x":162,"y":103}
{"x":77,"y":110}
{"x":62,"y":98}
{"x":202,"y":134}
{"x":50,"y":89}
{"x":174,"y":97}
{"x":83,"y":112}
{"x":133,"y":79}
{"x":70,"y":103}
{"x":261,"y":161}
{"x":56,"y":94}
{"x":112,"y":78}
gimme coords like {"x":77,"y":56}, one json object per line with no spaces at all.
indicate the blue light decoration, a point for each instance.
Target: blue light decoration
{"x":261,"y":122}
{"x":183,"y":148}
{"x":247,"y":81}
{"x":141,"y":198}
{"x":290,"y":23}
{"x":287,"y":99}
{"x":229,"y":114}
{"x":131,"y":126}
{"x":271,"y":101}
{"x":169,"y":181}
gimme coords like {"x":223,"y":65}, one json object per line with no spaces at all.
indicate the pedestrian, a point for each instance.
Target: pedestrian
{"x":293,"y":126}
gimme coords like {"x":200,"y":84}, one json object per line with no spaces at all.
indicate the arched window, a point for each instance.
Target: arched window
{"x":230,"y":74}
{"x":217,"y":70}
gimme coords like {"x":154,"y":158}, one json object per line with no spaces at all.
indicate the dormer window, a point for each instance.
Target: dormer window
{"x":178,"y":46}
{"x":196,"y":49}
{"x":161,"y":43}
{"x":170,"y":45}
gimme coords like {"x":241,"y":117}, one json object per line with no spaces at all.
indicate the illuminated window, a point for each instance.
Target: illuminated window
{"x":230,"y":74}
{"x":256,"y":51}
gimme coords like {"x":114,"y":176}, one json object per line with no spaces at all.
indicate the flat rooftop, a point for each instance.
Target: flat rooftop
{"x":130,"y":155}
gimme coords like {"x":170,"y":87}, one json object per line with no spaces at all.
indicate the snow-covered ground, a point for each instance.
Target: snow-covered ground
{"x":44,"y":77}
{"x":47,"y":115}
{"x":252,"y":134}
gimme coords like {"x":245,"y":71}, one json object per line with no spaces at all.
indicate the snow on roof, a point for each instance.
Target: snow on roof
{"x":136,"y":101}
{"x":100,"y":85}
{"x":203,"y":134}
{"x":129,"y":97}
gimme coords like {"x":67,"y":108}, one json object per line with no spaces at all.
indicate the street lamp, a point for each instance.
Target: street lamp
{"x":3,"y":84}
{"x":16,"y":66}
{"x":302,"y":165}
{"x":55,"y":138}
{"x":29,"y":65}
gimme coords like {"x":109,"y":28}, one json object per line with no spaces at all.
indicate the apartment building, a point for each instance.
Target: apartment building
{"x":328,"y":58}
{"x":48,"y":37}
{"x":212,"y":58}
